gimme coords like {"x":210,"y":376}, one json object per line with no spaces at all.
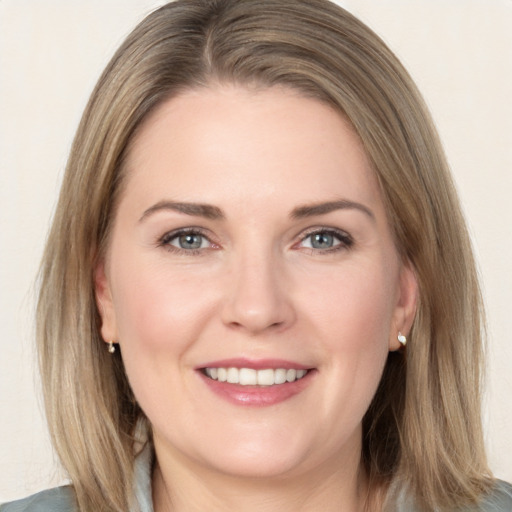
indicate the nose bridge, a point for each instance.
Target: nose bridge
{"x":258,"y":298}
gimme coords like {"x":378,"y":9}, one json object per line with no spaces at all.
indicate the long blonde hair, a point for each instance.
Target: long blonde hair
{"x":423,"y":430}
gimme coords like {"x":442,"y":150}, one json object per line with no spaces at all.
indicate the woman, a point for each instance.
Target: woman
{"x":258,"y":291}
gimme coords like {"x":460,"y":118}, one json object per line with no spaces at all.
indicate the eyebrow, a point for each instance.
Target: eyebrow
{"x":311,"y":210}
{"x":194,"y":209}
{"x":211,"y":212}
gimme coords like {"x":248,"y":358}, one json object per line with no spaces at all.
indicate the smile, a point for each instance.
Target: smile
{"x":256,"y":383}
{"x":253,"y":377}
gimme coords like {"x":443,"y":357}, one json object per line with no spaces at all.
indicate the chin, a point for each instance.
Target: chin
{"x":268,"y":456}
{"x":258,"y":466}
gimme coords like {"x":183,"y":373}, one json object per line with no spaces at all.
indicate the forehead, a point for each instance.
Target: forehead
{"x":254,"y":144}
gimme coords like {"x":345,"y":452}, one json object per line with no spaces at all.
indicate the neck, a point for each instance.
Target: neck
{"x":340,"y":487}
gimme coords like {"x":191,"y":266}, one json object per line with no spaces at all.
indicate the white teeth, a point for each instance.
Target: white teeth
{"x":266,"y":377}
{"x":233,"y":376}
{"x":291,"y":375}
{"x":251,"y":377}
{"x":247,"y":377}
{"x":280,"y":376}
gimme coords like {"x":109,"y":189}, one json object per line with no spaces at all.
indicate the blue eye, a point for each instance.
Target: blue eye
{"x":327,"y":240}
{"x":186,"y":241}
{"x":323,"y":240}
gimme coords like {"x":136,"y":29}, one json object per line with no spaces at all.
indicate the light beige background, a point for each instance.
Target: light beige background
{"x":52,"y":51}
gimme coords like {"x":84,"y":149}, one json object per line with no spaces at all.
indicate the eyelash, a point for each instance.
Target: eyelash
{"x":165,"y":240}
{"x":344,"y":239}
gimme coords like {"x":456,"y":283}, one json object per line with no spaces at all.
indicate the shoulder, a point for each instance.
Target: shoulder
{"x":60,"y":499}
{"x":500,"y":500}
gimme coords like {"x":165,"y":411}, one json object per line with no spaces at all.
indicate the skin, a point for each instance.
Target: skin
{"x":256,"y":288}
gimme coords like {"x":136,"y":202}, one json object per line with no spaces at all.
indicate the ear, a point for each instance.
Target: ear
{"x":405,"y":309}
{"x":105,"y":304}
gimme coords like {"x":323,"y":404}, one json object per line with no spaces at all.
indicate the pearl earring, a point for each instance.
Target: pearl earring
{"x":402,"y":339}
{"x":111,"y":347}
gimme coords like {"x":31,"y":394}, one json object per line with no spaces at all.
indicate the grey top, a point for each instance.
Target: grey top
{"x":62,"y":499}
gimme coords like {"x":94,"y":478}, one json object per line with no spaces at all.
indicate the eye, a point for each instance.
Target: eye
{"x":186,"y":241}
{"x":189,"y":241}
{"x":322,"y":240}
{"x":326,"y":240}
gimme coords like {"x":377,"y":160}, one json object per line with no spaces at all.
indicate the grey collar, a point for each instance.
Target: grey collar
{"x":142,"y":479}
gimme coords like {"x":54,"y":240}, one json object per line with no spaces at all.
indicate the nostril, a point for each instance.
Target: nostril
{"x":256,"y":301}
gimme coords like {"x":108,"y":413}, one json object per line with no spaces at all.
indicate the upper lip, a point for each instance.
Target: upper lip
{"x":255,"y":364}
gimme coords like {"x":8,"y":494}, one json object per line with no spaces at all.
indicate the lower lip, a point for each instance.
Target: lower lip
{"x":258,"y":396}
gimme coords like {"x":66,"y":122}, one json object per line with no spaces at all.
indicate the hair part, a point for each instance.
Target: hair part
{"x":423,"y":429}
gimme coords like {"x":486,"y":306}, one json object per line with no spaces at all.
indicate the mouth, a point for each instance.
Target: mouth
{"x":252,"y":377}
{"x":256,"y":383}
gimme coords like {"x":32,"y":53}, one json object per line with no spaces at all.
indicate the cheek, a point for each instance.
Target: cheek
{"x":355,"y":316}
{"x":158,"y":315}
{"x":356,"y":305}
{"x":155,"y":307}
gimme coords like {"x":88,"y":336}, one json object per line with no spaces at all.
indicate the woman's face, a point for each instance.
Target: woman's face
{"x":252,"y":282}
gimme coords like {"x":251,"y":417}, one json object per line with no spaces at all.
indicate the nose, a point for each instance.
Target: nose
{"x":258,"y":297}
